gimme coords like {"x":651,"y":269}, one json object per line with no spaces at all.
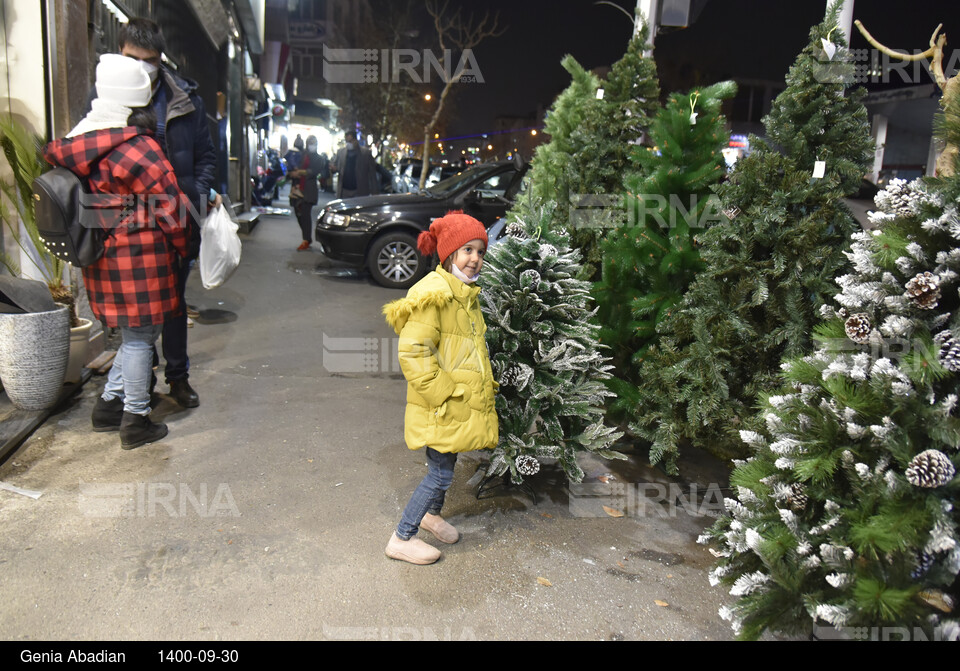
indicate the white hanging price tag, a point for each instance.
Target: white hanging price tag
{"x":829,"y":48}
{"x":599,"y":94}
{"x":819,"y":169}
{"x":693,"y":119}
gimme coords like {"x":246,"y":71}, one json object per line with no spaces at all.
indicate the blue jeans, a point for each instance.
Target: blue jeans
{"x":129,"y":378}
{"x":429,"y":495}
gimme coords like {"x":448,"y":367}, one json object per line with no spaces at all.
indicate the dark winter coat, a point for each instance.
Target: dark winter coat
{"x":368,"y":182}
{"x":133,"y":283}
{"x":188,"y":146}
{"x":313,"y":164}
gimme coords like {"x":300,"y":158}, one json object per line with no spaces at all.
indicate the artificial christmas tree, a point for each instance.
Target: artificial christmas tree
{"x":544,"y":353}
{"x":553,"y":169}
{"x":767,"y":265}
{"x":867,"y":429}
{"x":613,"y":127}
{"x":649,"y":263}
{"x":593,"y":126}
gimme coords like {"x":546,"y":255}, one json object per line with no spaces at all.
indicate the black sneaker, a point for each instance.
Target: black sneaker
{"x":137,"y":430}
{"x":183,"y":394}
{"x":107,"y":415}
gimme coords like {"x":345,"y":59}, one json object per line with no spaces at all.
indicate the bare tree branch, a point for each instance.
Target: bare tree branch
{"x":460,"y":33}
{"x":950,"y":101}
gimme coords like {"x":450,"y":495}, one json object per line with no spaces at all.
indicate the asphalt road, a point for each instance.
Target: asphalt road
{"x":265,"y":512}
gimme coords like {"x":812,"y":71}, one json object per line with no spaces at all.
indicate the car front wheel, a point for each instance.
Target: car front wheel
{"x":395,"y":262}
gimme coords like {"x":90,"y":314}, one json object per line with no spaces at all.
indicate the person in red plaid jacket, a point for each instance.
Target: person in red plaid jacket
{"x":133,"y":286}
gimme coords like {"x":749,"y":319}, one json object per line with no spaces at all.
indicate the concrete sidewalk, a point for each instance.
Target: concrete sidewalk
{"x":265,"y":512}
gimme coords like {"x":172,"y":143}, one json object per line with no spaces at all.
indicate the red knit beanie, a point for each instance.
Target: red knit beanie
{"x":449,"y":233}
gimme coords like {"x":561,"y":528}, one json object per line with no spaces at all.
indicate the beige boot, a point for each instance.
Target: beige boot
{"x":442,"y":530}
{"x":414,"y":550}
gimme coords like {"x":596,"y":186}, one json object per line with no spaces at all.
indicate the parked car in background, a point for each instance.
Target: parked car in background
{"x":439,"y":173}
{"x":380,"y":232}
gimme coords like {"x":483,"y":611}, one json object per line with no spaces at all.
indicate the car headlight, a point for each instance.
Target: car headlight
{"x":336,"y":219}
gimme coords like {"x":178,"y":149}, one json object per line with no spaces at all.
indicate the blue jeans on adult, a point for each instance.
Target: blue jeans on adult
{"x":175,"y":330}
{"x":429,"y":495}
{"x":129,"y":378}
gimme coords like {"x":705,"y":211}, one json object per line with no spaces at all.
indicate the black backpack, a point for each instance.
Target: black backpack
{"x":68,"y":226}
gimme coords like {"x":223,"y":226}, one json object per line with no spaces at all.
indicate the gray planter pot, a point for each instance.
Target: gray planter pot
{"x":79,"y":339}
{"x":34,"y":349}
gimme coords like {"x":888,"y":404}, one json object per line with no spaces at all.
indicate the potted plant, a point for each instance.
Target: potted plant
{"x":34,"y":347}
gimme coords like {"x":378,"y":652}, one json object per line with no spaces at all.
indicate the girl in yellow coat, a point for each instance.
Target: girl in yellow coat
{"x":450,"y":386}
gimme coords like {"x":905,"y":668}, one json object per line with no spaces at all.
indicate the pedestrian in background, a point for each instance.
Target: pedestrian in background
{"x":184,"y":136}
{"x":133,"y":286}
{"x":356,"y":170}
{"x":310,"y":167}
{"x":450,"y":385}
{"x":324,"y":173}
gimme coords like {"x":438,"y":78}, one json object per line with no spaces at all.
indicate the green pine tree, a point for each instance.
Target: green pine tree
{"x":544,"y":352}
{"x":768,"y":264}
{"x":552,"y":172}
{"x":649,"y":263}
{"x":612,"y":129}
{"x":591,"y":140}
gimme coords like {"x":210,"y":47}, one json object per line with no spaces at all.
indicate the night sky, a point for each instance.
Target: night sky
{"x":731,"y":38}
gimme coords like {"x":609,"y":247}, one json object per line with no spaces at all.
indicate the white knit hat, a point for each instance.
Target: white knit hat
{"x":123,"y":80}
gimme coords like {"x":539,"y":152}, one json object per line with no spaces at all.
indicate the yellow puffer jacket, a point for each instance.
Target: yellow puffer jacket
{"x":443,"y":355}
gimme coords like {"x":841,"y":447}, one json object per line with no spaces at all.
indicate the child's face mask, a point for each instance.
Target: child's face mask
{"x":459,"y":274}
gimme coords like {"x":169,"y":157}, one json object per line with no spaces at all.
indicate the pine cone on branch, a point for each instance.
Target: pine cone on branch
{"x":515,"y":230}
{"x":949,"y":355}
{"x":797,"y":499}
{"x":924,"y":290}
{"x":858,"y":327}
{"x":930,"y":468}
{"x":527,"y":465}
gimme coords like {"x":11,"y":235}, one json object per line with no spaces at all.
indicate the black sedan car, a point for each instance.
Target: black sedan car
{"x":380,"y":232}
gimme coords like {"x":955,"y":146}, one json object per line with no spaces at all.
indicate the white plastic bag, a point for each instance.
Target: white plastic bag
{"x":219,"y":248}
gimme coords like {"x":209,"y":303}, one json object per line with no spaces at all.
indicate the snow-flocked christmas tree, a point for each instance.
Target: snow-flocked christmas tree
{"x":846,"y":514}
{"x":544,"y":352}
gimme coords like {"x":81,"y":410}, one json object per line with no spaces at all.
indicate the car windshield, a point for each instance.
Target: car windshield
{"x":453,"y":184}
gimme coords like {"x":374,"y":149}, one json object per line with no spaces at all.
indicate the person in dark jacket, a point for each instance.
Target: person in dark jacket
{"x":133,"y":286}
{"x":356,"y":170}
{"x":310,"y":167}
{"x":184,"y":136}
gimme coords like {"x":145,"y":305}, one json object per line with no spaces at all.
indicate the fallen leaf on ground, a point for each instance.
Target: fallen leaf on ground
{"x":544,"y":582}
{"x":662,"y":604}
{"x":937,"y":599}
{"x":546,"y":515}
{"x":612,"y":512}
